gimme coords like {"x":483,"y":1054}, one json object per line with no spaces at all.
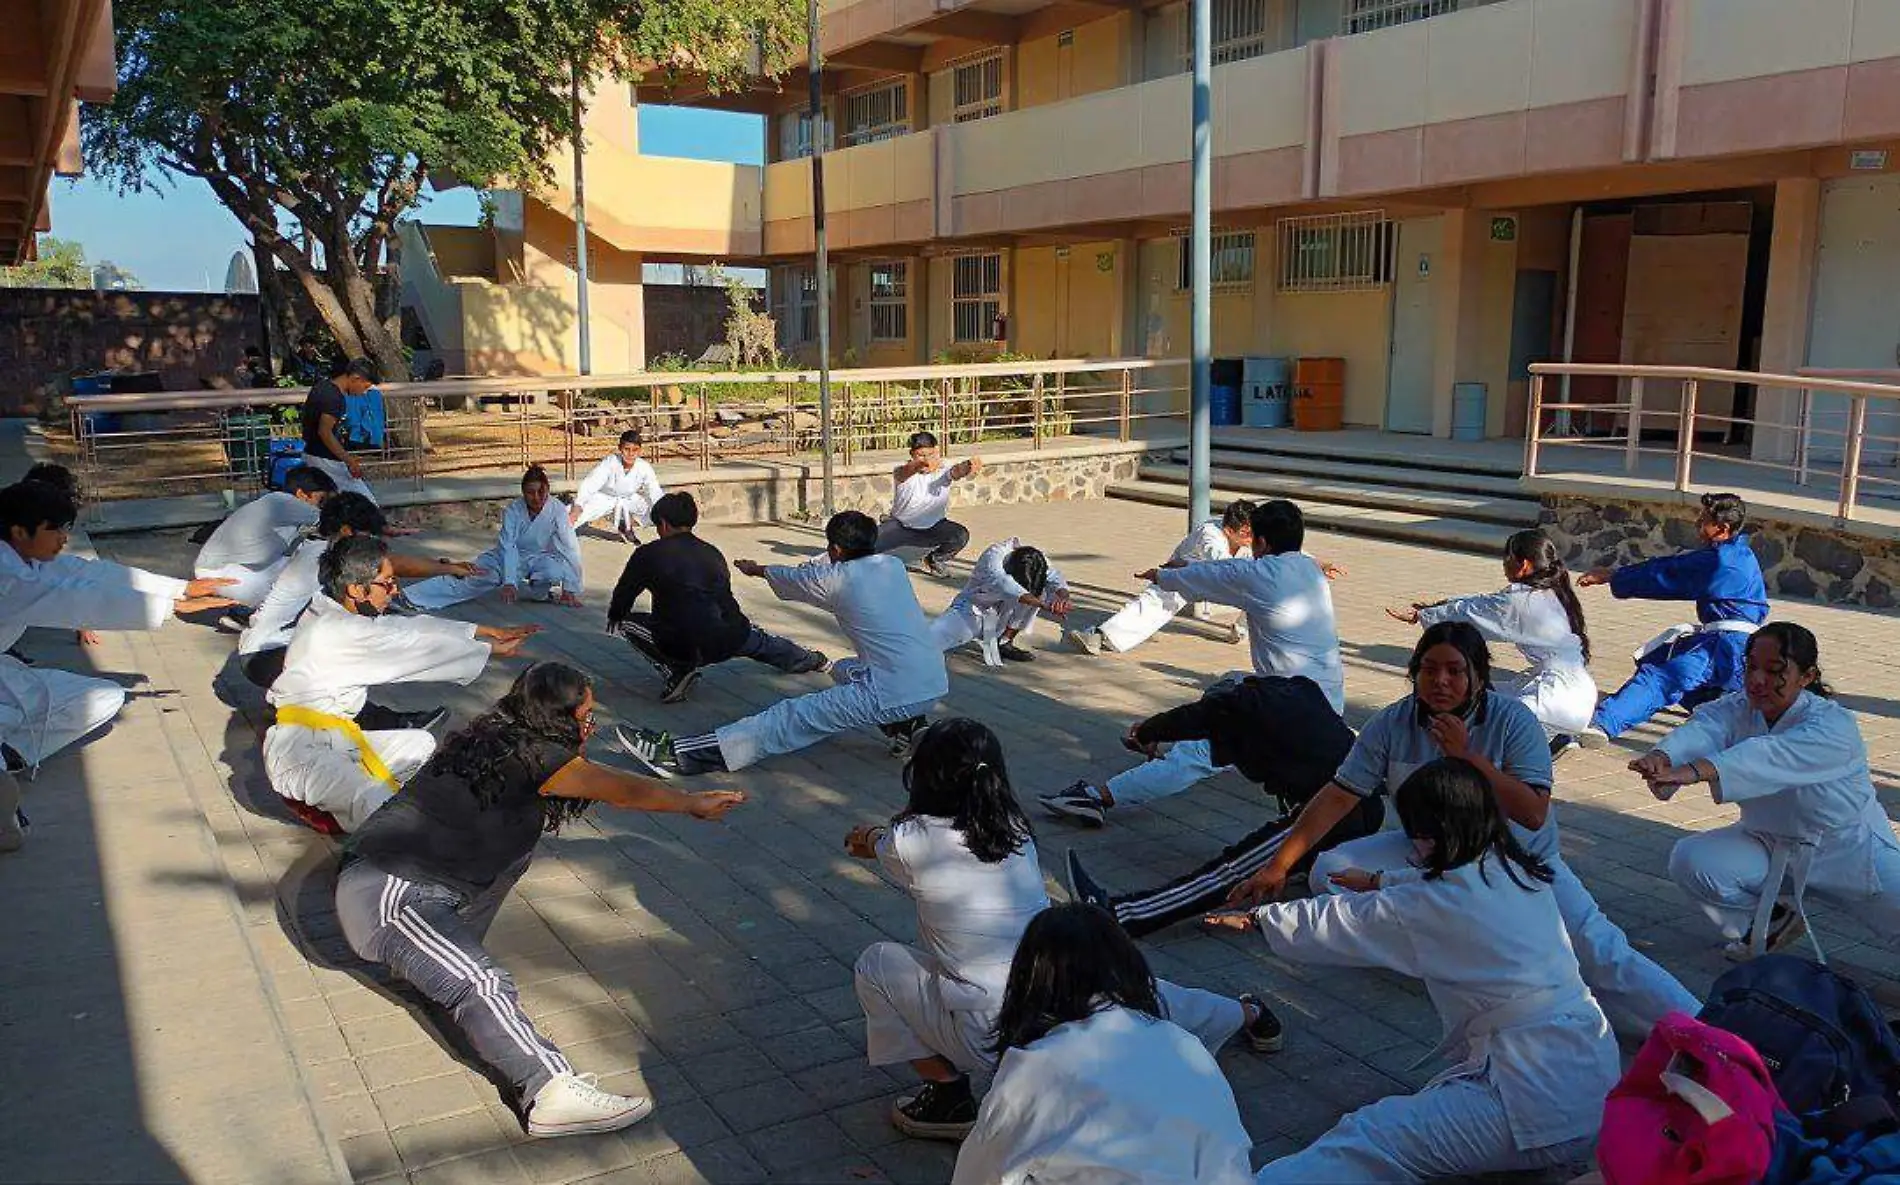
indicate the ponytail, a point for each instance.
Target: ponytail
{"x":1548,"y":572}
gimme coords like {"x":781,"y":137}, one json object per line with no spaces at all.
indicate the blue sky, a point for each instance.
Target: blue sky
{"x":176,"y":237}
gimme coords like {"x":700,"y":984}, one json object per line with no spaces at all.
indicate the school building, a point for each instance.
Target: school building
{"x":55,"y":55}
{"x":1437,"y":191}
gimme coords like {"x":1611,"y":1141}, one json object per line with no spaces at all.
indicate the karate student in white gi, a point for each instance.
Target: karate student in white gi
{"x":1137,"y":621}
{"x":316,"y":754}
{"x":1453,"y":712}
{"x":964,"y":851}
{"x":1290,"y":623}
{"x":897,"y":674}
{"x":1009,"y":585}
{"x":1792,"y":759}
{"x":622,"y":487}
{"x":1096,"y":1082}
{"x":254,"y":543}
{"x":920,"y":505}
{"x":536,"y":555}
{"x":1476,"y":917}
{"x":1537,"y":612}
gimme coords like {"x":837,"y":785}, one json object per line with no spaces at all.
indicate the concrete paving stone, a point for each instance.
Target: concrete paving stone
{"x":448,"y":1138}
{"x":688,"y":1039}
{"x":786,"y":1148}
{"x":498,"y":1166}
{"x":425,"y":1100}
{"x":916,"y":1162}
{"x":673,"y":1127}
{"x":370,"y":1156}
{"x":729,"y":1069}
{"x":722,"y":1162}
{"x":573,"y":1158}
{"x":749,"y":1108}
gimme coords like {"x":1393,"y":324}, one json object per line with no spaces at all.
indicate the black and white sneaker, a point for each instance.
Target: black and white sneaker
{"x":650,"y":749}
{"x":1083,"y":888}
{"x":938,"y":1111}
{"x":902,"y":735}
{"x":1563,"y":744}
{"x":1079,"y":802}
{"x":678,"y":685}
{"x":237,"y":619}
{"x":935,"y":567}
{"x":1266,"y":1034}
{"x":1011,"y":652}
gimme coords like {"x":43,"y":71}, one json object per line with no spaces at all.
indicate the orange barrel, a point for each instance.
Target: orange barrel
{"x":1319,"y":394}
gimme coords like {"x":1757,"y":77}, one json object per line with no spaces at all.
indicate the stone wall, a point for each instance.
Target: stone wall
{"x":1798,"y":561}
{"x":683,"y":319}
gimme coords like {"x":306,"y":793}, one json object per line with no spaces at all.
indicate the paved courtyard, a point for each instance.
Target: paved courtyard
{"x":176,"y":1002}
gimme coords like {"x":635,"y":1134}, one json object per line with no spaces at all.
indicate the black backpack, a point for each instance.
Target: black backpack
{"x":1819,"y":1033}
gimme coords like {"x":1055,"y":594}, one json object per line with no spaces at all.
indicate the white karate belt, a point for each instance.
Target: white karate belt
{"x":989,"y":638}
{"x":1509,"y":1014}
{"x":1677,"y":633}
{"x":1789,"y":860}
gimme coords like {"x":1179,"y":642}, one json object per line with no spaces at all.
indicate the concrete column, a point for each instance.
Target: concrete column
{"x":1458,"y":328}
{"x":1793,"y":245}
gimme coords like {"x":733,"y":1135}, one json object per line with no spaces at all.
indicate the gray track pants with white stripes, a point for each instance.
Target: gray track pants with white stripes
{"x":432,"y":936}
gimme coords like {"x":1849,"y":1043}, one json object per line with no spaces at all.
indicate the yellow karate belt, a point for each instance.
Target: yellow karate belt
{"x":324,"y":722}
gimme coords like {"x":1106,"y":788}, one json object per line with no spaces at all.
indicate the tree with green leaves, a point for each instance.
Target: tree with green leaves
{"x":318,"y":125}
{"x":61,"y":264}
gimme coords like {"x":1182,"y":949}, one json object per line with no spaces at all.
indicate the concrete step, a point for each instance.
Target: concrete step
{"x":1357,"y":447}
{"x":1366,"y":472}
{"x":1441,"y":531}
{"x":1308,"y":491}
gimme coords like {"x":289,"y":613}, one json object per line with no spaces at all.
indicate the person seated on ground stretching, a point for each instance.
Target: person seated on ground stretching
{"x":1137,"y":621}
{"x":895,"y":677}
{"x":537,"y":555}
{"x":316,"y":755}
{"x":252,"y":545}
{"x":1687,"y":664}
{"x":964,"y":851}
{"x":920,"y":505}
{"x":695,"y":621}
{"x":421,"y":881}
{"x":622,"y":487}
{"x":1793,"y":760}
{"x":1009,"y":585}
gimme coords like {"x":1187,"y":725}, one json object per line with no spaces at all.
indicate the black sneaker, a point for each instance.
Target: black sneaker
{"x":14,"y":760}
{"x":1011,"y":652}
{"x":1079,"y":802}
{"x":237,"y":618}
{"x":816,"y":663}
{"x":679,"y":684}
{"x":650,"y":749}
{"x":1265,"y":1034}
{"x":903,"y":735}
{"x":1082,"y":886}
{"x":1562,"y":745}
{"x":935,"y":566}
{"x":938,"y":1111}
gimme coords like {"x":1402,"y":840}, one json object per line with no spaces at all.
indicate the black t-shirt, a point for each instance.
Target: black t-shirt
{"x":326,"y":398}
{"x":694,"y":614}
{"x":435,"y":829}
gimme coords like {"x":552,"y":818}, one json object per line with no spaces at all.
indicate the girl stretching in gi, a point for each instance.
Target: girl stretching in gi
{"x":1010,"y":584}
{"x":963,"y":850}
{"x":1095,"y":1083}
{"x":1474,"y":915}
{"x":1793,"y":760}
{"x":1538,"y":612}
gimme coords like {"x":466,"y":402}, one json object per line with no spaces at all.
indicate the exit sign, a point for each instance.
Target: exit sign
{"x":1504,"y":229}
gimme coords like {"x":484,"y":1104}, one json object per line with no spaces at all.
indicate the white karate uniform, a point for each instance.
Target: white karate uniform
{"x":1807,"y":804}
{"x":1138,"y":620}
{"x":532,"y":553}
{"x":254,"y":543}
{"x":1534,"y":1053}
{"x":275,"y":618}
{"x":1558,"y":688}
{"x":628,"y":494}
{"x":922,"y":500}
{"x":42,"y":710}
{"x":335,"y":658}
{"x":990,"y":604}
{"x":943,"y":999}
{"x":1117,"y":1098}
{"x":339,"y":472}
{"x":897,"y":674}
{"x":1289,"y":612}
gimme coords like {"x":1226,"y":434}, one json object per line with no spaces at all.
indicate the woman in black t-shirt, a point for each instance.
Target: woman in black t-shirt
{"x":423,"y":878}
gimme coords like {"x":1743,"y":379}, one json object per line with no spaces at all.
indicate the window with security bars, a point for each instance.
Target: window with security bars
{"x":876,"y":114}
{"x":890,"y":302}
{"x":976,"y":296}
{"x":1242,"y":29}
{"x":794,"y":135}
{"x":1363,"y":16}
{"x":1336,"y":252}
{"x":976,"y":88}
{"x":1232,"y":254}
{"x":798,"y":312}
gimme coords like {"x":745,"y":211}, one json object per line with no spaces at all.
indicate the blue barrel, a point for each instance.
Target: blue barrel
{"x":1226,"y":407}
{"x":1467,"y":411}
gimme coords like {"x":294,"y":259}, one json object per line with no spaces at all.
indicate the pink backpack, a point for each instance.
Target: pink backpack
{"x":1696,"y":1108}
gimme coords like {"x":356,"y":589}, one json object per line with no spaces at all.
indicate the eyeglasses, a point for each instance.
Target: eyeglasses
{"x":388,"y":585}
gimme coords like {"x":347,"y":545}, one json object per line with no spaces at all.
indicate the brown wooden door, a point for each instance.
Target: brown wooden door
{"x":1602,"y":281}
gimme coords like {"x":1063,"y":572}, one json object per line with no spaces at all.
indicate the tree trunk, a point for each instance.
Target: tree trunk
{"x":281,"y":327}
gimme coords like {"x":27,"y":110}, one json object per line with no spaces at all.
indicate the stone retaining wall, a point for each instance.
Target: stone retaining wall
{"x":1798,"y":561}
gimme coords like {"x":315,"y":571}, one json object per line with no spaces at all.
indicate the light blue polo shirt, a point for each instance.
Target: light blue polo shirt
{"x":1395,"y":742}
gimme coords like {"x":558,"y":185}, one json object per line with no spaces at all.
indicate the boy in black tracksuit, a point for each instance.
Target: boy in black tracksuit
{"x":1280,"y":732}
{"x":695,"y":621}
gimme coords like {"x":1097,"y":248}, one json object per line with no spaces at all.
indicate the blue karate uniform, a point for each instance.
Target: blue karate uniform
{"x":1725,"y":582}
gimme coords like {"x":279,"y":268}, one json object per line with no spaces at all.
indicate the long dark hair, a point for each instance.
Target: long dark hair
{"x":1798,"y":646}
{"x":1448,"y":802}
{"x":956,"y":772}
{"x":1073,"y":961}
{"x":1539,"y":550}
{"x":1029,"y":568}
{"x":538,"y":709}
{"x":1463,"y":637}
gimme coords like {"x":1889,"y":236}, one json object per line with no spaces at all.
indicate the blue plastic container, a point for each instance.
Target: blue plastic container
{"x":1467,"y":411}
{"x":1226,"y":407}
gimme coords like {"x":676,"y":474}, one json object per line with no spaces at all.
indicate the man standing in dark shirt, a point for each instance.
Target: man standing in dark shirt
{"x":695,"y":621}
{"x":323,"y":411}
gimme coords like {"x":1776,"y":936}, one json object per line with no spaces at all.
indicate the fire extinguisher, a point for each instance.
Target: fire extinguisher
{"x":999,"y":327}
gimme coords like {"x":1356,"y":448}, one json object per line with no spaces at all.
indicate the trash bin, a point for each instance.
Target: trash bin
{"x":1467,"y":411}
{"x":1319,"y":394}
{"x":247,"y":444}
{"x":1226,"y":406}
{"x":1265,"y":400}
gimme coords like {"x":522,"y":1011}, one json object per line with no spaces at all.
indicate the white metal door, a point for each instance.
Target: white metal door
{"x":1856,"y":321}
{"x":1408,"y":397}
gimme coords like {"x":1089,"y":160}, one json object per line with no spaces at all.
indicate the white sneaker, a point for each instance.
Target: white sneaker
{"x":573,"y":1105}
{"x":1592,"y":737}
{"x":1087,"y":641}
{"x":1236,"y":632}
